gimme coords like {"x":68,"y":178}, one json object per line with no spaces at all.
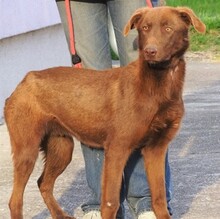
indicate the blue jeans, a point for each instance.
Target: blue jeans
{"x":134,"y":187}
{"x":154,"y":2}
{"x":92,"y":45}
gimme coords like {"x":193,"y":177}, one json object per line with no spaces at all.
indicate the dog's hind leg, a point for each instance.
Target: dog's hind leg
{"x":25,"y":152}
{"x":58,"y":154}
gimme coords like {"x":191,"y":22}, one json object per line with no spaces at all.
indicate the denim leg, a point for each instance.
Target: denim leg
{"x":92,"y":45}
{"x":90,"y":38}
{"x":137,"y":189}
{"x":120,"y":12}
{"x":62,"y":12}
{"x":168,"y":184}
{"x":91,"y":34}
{"x":93,"y":166}
{"x":155,"y":2}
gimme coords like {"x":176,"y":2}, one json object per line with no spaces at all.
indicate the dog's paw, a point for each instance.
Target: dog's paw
{"x":69,"y":217}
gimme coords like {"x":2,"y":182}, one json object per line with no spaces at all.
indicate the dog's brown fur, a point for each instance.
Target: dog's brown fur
{"x":120,"y":110}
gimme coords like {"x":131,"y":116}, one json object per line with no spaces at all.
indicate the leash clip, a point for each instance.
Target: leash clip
{"x":75,"y":59}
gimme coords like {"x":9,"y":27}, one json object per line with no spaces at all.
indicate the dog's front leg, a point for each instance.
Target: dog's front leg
{"x":154,"y":158}
{"x":114,"y":163}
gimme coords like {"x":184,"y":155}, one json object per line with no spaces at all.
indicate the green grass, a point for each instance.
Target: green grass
{"x":209,"y":12}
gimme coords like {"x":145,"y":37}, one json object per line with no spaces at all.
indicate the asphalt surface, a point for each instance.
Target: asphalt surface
{"x":194,"y":158}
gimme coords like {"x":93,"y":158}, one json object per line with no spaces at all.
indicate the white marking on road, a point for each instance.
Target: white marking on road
{"x":187,"y":146}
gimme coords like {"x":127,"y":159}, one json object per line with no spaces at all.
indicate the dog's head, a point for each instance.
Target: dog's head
{"x":163,"y":31}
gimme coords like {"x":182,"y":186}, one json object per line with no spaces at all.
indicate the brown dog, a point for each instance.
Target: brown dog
{"x":120,"y":110}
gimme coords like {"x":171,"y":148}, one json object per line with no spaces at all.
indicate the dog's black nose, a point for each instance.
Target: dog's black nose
{"x":150,"y":50}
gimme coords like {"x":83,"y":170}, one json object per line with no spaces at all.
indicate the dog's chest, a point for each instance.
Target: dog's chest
{"x":161,"y":124}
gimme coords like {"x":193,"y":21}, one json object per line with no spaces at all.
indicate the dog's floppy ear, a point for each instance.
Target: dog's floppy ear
{"x":133,"y":20}
{"x":190,"y":18}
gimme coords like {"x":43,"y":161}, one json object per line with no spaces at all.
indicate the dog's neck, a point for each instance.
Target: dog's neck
{"x":162,"y":76}
{"x":160,"y":69}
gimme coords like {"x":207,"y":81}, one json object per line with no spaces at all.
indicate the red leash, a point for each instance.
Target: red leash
{"x":149,"y":3}
{"x":75,"y":58}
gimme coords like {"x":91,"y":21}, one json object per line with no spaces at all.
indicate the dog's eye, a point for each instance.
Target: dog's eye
{"x":168,"y":29}
{"x":145,"y":27}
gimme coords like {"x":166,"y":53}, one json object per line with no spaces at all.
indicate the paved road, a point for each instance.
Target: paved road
{"x":194,"y":158}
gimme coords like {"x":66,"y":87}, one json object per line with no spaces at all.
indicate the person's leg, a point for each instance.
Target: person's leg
{"x":155,"y":2}
{"x":138,"y":193}
{"x":63,"y":17}
{"x":92,"y":45}
{"x":93,"y":166}
{"x":91,"y":33}
{"x":137,"y":190}
{"x":120,"y":12}
{"x":168,"y":184}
